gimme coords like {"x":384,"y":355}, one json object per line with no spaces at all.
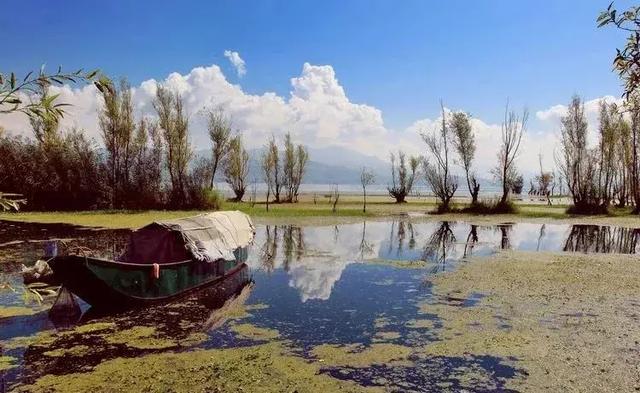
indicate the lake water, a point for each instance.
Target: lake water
{"x":315,"y":285}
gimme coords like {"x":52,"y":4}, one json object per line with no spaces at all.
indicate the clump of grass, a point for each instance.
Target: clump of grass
{"x":212,"y":200}
{"x":492,"y":206}
{"x":588,"y":209}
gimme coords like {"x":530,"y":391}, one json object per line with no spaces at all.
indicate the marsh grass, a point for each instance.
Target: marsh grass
{"x":349,"y":206}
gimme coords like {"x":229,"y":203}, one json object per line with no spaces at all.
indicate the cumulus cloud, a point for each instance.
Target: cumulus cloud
{"x":317,"y":112}
{"x":552,"y":116}
{"x":237,"y":62}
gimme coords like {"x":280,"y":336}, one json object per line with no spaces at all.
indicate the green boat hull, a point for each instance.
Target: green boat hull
{"x":111,"y":284}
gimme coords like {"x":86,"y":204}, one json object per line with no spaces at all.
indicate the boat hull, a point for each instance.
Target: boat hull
{"x":115,"y":285}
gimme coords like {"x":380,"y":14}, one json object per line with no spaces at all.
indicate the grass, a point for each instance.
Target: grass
{"x":349,"y":206}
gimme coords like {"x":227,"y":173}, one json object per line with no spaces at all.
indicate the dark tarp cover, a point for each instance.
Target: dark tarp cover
{"x":206,"y":237}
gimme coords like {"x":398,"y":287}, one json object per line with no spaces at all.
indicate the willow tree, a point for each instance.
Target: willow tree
{"x":268,"y":163}
{"x":16,"y":95}
{"x":578,"y":164}
{"x":512,"y":130}
{"x":236,"y":167}
{"x":219,"y":127}
{"x":117,"y":128}
{"x":402,"y":178}
{"x":438,"y":174}
{"x":15,"y":91}
{"x":367,"y":177}
{"x":465,"y":144}
{"x":174,"y":124}
{"x":294,"y":167}
{"x":626,"y":63}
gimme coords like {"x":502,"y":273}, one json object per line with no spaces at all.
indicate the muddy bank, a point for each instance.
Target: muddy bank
{"x":570,"y":321}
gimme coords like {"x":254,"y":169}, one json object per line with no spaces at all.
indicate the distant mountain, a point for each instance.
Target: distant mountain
{"x":326,"y":166}
{"x":339,"y":165}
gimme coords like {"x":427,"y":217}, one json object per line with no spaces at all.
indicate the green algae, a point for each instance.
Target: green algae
{"x":399,"y":264}
{"x":420,"y":324}
{"x":41,"y":339}
{"x":140,"y":337}
{"x":262,"y":368}
{"x":568,"y":318}
{"x":16,"y":311}
{"x":247,"y":330}
{"x":78,"y":350}
{"x":257,"y":306}
{"x":386,"y":336}
{"x":381,"y":322}
{"x":94,"y":327}
{"x":7,"y":362}
{"x":194,"y":339}
{"x":357,"y":355}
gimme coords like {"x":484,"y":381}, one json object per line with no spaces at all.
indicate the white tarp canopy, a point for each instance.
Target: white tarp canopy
{"x":205,"y":237}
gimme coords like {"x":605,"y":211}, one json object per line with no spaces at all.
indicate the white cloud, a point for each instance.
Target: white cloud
{"x":237,"y":62}
{"x":551,"y":116}
{"x":317,"y":112}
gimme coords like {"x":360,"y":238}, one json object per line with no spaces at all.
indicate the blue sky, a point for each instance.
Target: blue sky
{"x":400,"y":57}
{"x":387,"y":63}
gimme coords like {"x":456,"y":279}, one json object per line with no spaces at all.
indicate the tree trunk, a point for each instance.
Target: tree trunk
{"x":364,"y":206}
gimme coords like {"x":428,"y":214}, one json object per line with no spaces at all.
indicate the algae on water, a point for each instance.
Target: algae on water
{"x":268,"y":368}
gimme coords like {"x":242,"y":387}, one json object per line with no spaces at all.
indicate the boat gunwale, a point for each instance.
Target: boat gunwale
{"x":105,"y":261}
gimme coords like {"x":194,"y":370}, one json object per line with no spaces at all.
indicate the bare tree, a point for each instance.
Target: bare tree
{"x":544,"y":180}
{"x":442,"y":183}
{"x":513,"y":127}
{"x":236,"y":167}
{"x":175,"y":131}
{"x":401,"y":179}
{"x":335,"y":197}
{"x":219,"y":127}
{"x":366,"y":178}
{"x":465,"y":144}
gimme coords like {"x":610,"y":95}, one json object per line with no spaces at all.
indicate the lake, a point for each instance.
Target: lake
{"x":314,"y":288}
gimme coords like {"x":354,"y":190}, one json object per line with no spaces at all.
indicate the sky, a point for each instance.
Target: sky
{"x":363,"y":75}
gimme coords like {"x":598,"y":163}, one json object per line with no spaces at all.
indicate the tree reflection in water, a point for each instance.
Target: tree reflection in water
{"x":293,"y":244}
{"x":269,"y":248}
{"x":439,"y":245}
{"x":366,"y":248}
{"x":541,"y":236}
{"x":594,"y":239}
{"x":315,"y":257}
{"x":505,"y":230}
{"x":472,"y":240}
{"x":404,"y":228}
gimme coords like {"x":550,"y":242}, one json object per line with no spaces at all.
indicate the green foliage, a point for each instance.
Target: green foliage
{"x":236,"y":167}
{"x":64,"y":175}
{"x":14,"y":92}
{"x":401,"y":178}
{"x":627,"y":60}
{"x":492,"y":206}
{"x":213,"y":200}
{"x":174,"y":123}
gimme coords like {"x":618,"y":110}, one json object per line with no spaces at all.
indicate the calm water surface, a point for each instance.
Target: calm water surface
{"x":315,"y":285}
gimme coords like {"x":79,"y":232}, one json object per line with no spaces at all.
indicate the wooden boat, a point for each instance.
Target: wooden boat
{"x":163,"y":261}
